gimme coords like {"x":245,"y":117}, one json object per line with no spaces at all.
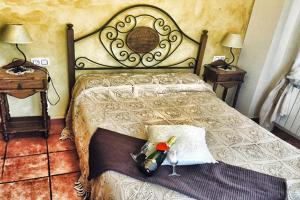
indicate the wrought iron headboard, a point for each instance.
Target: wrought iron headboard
{"x":132,"y":45}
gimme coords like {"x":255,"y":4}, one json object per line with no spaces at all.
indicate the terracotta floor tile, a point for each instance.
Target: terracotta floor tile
{"x":63,"y":162}
{"x":26,"y":146}
{"x":62,"y":186}
{"x":2,"y":148}
{"x":37,"y":189}
{"x":54,"y":144}
{"x":27,"y":167}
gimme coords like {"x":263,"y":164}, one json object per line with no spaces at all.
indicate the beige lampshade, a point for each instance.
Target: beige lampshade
{"x":233,"y":40}
{"x":15,"y":34}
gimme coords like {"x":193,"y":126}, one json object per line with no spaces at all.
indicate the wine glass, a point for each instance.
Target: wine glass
{"x":143,"y":150}
{"x":172,"y":157}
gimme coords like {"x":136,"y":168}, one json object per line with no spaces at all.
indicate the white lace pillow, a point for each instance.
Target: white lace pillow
{"x":190,"y":145}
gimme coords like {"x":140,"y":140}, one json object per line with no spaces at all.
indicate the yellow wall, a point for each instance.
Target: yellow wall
{"x":46,"y":22}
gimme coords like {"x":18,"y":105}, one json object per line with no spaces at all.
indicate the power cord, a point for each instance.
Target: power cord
{"x":49,"y":81}
{"x":58,"y":97}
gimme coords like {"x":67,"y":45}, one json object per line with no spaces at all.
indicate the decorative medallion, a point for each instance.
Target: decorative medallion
{"x":142,"y":39}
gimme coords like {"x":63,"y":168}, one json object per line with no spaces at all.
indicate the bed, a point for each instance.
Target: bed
{"x":126,"y":102}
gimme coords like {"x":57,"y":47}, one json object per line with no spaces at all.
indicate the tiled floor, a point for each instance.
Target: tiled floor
{"x":34,"y":168}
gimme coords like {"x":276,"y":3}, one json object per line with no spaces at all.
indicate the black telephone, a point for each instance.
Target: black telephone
{"x":220,"y":64}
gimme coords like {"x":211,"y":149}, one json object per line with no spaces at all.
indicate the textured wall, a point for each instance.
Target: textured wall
{"x":46,"y":21}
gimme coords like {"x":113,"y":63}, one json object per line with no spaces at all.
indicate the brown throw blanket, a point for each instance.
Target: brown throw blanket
{"x":110,"y":151}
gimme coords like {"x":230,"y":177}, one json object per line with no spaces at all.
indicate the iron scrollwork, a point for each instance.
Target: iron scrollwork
{"x":114,"y":39}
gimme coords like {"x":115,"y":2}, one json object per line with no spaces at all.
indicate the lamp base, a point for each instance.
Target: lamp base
{"x":19,"y":70}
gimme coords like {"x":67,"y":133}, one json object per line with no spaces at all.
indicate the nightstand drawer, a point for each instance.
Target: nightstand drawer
{"x":21,"y":84}
{"x":230,"y":77}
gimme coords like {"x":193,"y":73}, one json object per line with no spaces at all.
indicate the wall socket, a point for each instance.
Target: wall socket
{"x":44,"y":62}
{"x":218,"y":58}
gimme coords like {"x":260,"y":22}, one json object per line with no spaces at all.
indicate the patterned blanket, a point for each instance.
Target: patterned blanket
{"x":125,"y":103}
{"x":109,"y":150}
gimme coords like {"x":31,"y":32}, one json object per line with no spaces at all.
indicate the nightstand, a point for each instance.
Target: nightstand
{"x":227,"y":79}
{"x":23,"y":86}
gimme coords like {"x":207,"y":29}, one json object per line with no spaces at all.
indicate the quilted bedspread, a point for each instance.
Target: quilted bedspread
{"x":125,"y":103}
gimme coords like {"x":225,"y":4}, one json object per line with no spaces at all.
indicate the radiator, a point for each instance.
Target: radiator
{"x":291,"y":122}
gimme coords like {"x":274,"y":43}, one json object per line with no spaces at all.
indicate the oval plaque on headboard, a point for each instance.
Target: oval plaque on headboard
{"x":142,"y":39}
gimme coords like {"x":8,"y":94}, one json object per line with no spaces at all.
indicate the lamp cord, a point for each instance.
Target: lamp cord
{"x":51,"y":81}
{"x":232,"y":54}
{"x":58,"y":97}
{"x":22,"y":54}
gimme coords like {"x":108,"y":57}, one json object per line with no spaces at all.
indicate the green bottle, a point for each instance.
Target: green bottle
{"x":155,"y":159}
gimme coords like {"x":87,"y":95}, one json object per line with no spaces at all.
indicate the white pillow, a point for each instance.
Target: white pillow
{"x":190,"y":145}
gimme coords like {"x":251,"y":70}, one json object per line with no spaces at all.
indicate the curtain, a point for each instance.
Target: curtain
{"x":279,"y":101}
{"x":294,"y":75}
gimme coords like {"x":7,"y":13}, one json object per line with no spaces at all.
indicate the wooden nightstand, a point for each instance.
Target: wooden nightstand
{"x":22,"y":86}
{"x":227,"y":79}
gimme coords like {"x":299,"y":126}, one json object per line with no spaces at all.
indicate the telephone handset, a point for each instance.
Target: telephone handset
{"x":219,"y":64}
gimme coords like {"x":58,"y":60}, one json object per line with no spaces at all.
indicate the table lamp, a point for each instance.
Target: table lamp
{"x":232,"y":41}
{"x":16,"y":34}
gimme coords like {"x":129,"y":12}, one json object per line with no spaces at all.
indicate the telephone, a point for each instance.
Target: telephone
{"x":220,"y":64}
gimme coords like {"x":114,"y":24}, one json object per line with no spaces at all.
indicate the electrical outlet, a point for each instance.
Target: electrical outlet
{"x":41,"y":61}
{"x":218,"y":58}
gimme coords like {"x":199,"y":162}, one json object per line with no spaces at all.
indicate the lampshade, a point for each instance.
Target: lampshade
{"x":15,"y":34}
{"x":233,"y":41}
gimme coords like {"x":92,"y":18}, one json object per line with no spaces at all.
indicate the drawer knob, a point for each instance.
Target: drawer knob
{"x":19,"y":87}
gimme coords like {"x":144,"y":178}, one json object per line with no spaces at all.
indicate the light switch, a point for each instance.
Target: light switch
{"x":218,"y":58}
{"x":43,"y":62}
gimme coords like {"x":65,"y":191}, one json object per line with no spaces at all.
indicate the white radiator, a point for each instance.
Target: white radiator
{"x":291,"y":122}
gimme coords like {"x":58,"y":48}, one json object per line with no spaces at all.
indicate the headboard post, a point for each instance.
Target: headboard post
{"x":71,"y":57}
{"x":201,"y":51}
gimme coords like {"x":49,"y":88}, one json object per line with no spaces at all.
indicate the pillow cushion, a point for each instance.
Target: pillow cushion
{"x":190,"y":145}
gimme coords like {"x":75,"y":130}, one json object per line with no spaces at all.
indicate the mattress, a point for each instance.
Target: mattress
{"x":125,"y":103}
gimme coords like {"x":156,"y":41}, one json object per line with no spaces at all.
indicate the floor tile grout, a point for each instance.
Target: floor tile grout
{"x":39,"y":177}
{"x":49,"y":172}
{"x":36,"y":154}
{"x":65,"y":173}
{"x":62,"y":151}
{"x":4,"y":158}
{"x":24,"y":180}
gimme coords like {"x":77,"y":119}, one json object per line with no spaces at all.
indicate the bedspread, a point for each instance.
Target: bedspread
{"x":126,"y":103}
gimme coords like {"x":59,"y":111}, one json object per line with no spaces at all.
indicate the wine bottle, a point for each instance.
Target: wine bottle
{"x":155,"y":159}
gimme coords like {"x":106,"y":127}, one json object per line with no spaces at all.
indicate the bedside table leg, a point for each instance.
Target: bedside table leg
{"x":236,"y":94}
{"x":7,"y":107}
{"x":224,"y":94}
{"x":46,"y":134}
{"x":45,"y":112}
{"x":215,"y":86}
{"x":3,"y":117}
